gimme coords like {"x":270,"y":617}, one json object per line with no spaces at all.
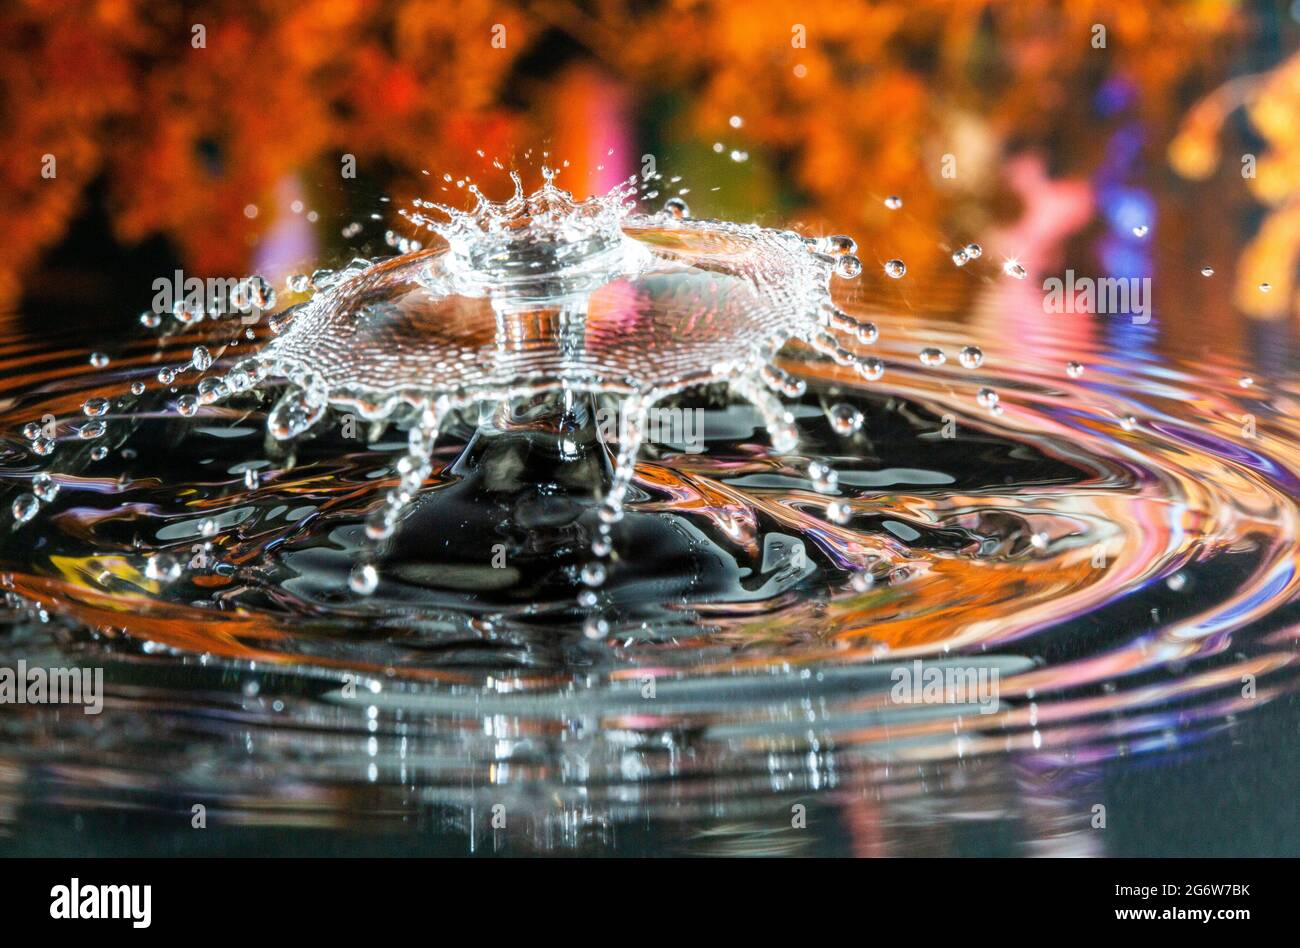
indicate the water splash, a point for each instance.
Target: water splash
{"x":544,"y":294}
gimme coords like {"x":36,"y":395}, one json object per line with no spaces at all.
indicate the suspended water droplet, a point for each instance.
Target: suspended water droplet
{"x":824,"y":478}
{"x":92,"y":430}
{"x":1245,"y":381}
{"x":893,"y":202}
{"x":1140,"y":230}
{"x":212,"y":390}
{"x":1207,"y":271}
{"x":45,"y":487}
{"x":839,"y":511}
{"x":862,"y":580}
{"x":294,"y":413}
{"x":735,"y":121}
{"x":1128,"y":423}
{"x":895,"y":268}
{"x":987,"y":397}
{"x":974,"y":251}
{"x":150,"y":320}
{"x":678,"y":208}
{"x":208,"y":527}
{"x":25,"y":507}
{"x":43,"y":446}
{"x":932,"y":357}
{"x":1265,"y":287}
{"x":32,"y":431}
{"x":1177,"y":582}
{"x":595,"y":628}
{"x":166,"y":375}
{"x":201,"y":358}
{"x":971,"y":357}
{"x":251,"y":479}
{"x":94,"y":407}
{"x":187,"y":405}
{"x":163,"y":568}
{"x":959,"y":257}
{"x":99,"y":359}
{"x":137,"y":388}
{"x":1074,"y":369}
{"x":99,"y":453}
{"x":871,"y":369}
{"x":363,"y":579}
{"x":845,"y":419}
{"x":593,"y":574}
{"x":848,"y":266}
{"x":1012,"y":268}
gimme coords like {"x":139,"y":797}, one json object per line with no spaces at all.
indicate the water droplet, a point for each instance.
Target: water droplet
{"x":824,"y":478}
{"x":25,"y":507}
{"x":137,"y":388}
{"x":43,"y":446}
{"x":1140,"y":230}
{"x":587,"y":598}
{"x":862,"y":580}
{"x":166,"y":375}
{"x":99,"y":359}
{"x":200,"y":358}
{"x":974,"y":251}
{"x":163,"y":568}
{"x":845,"y":419}
{"x":208,"y":527}
{"x":187,"y":405}
{"x":1012,"y":268}
{"x":92,"y":430}
{"x":1265,"y":287}
{"x":1177,"y":582}
{"x":1128,"y":423}
{"x":45,"y":487}
{"x":298,"y":283}
{"x":293,"y":414}
{"x":971,"y":357}
{"x":364,"y":579}
{"x":150,"y":320}
{"x":593,"y":574}
{"x":986,"y":397}
{"x":251,"y":479}
{"x":1207,"y":271}
{"x":595,"y":628}
{"x":735,"y":121}
{"x":1074,"y":369}
{"x":932,"y":357}
{"x":959,"y":257}
{"x":99,"y":453}
{"x":678,"y":208}
{"x":871,"y":369}
{"x":1245,"y":381}
{"x":839,"y":511}
{"x":893,"y":202}
{"x":895,"y":268}
{"x":1039,"y":541}
{"x":848,"y":266}
{"x":31,"y":431}
{"x":94,"y":407}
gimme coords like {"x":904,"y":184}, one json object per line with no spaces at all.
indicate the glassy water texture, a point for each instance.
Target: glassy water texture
{"x":617,"y":523}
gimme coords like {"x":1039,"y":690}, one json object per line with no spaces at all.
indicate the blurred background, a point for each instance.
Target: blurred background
{"x":141,"y":137}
